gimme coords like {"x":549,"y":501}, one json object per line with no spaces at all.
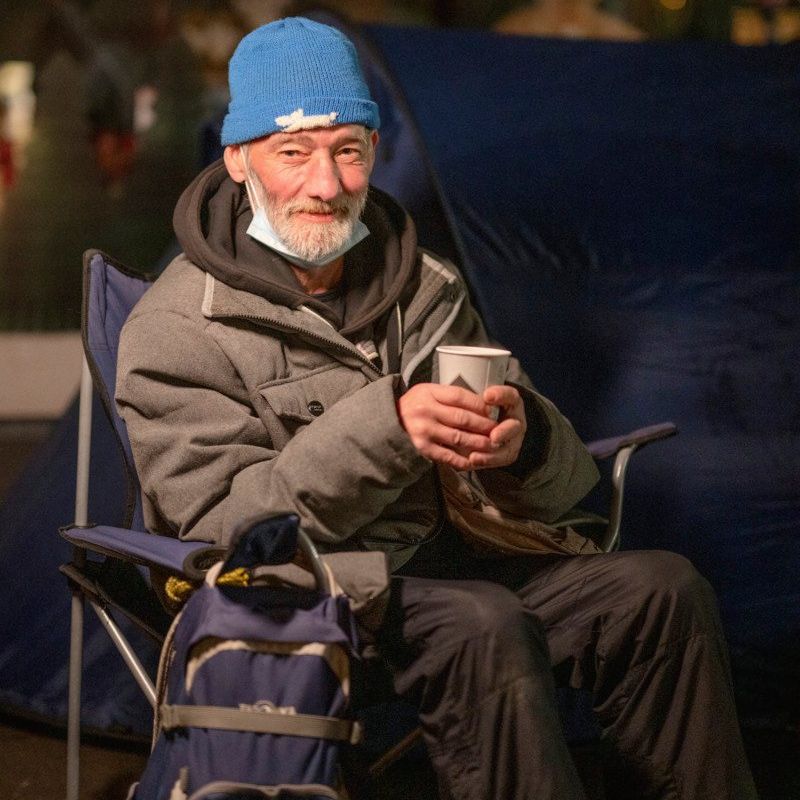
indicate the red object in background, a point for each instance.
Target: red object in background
{"x":8,"y":173}
{"x":115,"y":152}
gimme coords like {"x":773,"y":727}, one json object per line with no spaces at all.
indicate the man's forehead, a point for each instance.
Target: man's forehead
{"x":318,"y":136}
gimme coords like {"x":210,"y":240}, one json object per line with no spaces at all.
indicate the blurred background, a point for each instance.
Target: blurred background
{"x":103,"y":104}
{"x":102,"y":112}
{"x":109,"y":108}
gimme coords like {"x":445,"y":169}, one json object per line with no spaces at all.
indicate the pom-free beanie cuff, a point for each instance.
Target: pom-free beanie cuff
{"x":295,"y":74}
{"x":243,"y":124}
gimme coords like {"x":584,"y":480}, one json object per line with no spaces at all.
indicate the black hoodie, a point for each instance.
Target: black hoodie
{"x":211,"y":220}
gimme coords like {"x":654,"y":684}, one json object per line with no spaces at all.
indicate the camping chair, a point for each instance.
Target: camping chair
{"x":114,"y":583}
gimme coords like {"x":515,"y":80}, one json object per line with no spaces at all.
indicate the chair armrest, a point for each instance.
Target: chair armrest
{"x":137,"y":547}
{"x":605,"y":448}
{"x":623,"y":447}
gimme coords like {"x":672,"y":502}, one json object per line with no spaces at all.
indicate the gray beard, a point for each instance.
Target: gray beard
{"x":311,"y":241}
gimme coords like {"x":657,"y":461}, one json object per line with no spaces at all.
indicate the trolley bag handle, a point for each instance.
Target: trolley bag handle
{"x":271,"y":540}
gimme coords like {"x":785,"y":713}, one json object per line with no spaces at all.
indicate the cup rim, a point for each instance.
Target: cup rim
{"x":469,"y":350}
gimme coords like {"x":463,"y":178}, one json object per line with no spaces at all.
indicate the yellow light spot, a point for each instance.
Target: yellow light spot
{"x":674,"y":5}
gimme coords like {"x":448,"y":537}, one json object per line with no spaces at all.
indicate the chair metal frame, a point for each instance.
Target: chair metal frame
{"x":129,"y":545}
{"x":82,"y":535}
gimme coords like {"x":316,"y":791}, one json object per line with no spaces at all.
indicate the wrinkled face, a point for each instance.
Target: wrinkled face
{"x":312,"y":184}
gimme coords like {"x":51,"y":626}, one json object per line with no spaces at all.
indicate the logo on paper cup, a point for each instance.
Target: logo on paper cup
{"x":461,"y":381}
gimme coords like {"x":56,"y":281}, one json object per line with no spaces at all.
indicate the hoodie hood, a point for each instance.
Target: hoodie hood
{"x":211,"y":220}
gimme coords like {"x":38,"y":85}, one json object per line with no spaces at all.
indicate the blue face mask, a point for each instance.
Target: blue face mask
{"x":261,"y":230}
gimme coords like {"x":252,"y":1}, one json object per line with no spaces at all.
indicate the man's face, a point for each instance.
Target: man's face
{"x":312,"y":184}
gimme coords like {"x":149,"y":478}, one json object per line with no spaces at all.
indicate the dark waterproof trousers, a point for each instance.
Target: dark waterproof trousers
{"x":480,"y":658}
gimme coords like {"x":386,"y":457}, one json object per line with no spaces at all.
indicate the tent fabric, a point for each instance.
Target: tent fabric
{"x":627,"y":217}
{"x":34,"y":628}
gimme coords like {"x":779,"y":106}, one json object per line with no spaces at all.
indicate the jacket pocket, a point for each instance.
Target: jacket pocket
{"x":299,"y":400}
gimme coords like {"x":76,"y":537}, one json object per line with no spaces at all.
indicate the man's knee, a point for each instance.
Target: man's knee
{"x":670,"y":581}
{"x":479,"y":609}
{"x":663,"y":571}
{"x":483,"y":617}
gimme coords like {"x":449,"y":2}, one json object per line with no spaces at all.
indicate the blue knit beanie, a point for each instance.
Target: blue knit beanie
{"x":291,"y":75}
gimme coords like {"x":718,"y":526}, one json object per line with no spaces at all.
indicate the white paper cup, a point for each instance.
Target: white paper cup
{"x":472,"y":368}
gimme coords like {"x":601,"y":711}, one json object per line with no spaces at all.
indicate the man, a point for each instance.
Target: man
{"x":285,"y":361}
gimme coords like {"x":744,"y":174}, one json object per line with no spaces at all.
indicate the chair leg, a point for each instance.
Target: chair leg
{"x":79,"y":556}
{"x":395,"y":752}
{"x":130,"y":658}
{"x":74,"y":696}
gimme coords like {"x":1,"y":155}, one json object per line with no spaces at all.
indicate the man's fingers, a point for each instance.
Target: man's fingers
{"x":460,"y":440}
{"x":443,"y":455}
{"x":502,"y":456}
{"x":505,"y":431}
{"x":487,"y":460}
{"x":447,"y":424}
{"x":424,"y":432}
{"x":504,"y":396}
{"x":451,"y":425}
{"x":459,"y":397}
{"x":461,"y":418}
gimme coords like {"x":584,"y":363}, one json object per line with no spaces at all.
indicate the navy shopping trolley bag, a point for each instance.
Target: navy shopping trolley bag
{"x":254,"y":681}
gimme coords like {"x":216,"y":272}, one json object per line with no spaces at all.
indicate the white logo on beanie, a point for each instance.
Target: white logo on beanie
{"x":298,"y":121}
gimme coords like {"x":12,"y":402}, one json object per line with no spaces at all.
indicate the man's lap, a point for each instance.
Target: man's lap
{"x":579,"y":603}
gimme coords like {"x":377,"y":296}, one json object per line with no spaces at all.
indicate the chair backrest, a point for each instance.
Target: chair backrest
{"x":110,"y":291}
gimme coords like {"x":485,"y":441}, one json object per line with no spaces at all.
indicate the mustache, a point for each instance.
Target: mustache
{"x":341,"y":208}
{"x":323,"y":208}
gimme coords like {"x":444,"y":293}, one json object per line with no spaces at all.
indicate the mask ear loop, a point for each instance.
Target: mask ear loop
{"x":251,"y":196}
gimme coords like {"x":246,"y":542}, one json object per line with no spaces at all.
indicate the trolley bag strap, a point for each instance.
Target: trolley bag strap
{"x":281,"y":792}
{"x":235,"y":719}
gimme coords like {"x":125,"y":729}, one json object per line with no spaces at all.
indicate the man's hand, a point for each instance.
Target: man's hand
{"x":451,"y":425}
{"x":508,"y":434}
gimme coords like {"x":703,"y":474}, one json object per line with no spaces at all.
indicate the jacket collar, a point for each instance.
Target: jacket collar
{"x":437,"y":282}
{"x":221,"y":301}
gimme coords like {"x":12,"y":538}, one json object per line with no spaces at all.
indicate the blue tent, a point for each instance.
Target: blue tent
{"x":627,"y":216}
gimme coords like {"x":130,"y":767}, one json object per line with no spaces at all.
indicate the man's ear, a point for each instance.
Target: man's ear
{"x":234,"y":162}
{"x":373,"y":138}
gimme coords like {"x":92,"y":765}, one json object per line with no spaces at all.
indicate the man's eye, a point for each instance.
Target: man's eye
{"x":291,"y":153}
{"x":349,"y":153}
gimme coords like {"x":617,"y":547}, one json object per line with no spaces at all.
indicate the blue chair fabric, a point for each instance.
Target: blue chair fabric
{"x":110,"y":291}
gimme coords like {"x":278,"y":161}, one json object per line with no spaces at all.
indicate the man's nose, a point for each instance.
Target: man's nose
{"x":322,"y":179}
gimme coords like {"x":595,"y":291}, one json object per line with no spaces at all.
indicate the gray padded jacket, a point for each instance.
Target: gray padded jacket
{"x":236,"y":405}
